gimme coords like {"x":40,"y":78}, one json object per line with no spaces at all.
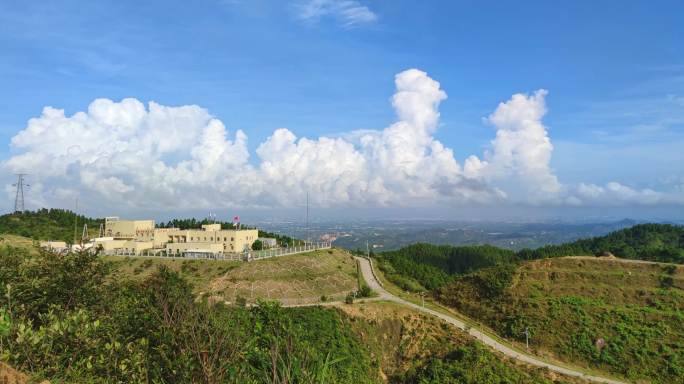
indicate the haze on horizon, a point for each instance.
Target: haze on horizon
{"x":376,"y":109}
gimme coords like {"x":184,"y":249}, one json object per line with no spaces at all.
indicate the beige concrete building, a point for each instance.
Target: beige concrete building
{"x":231,"y":240}
{"x":128,"y":229}
{"x":139,"y":237}
{"x":177,"y":249}
{"x":55,"y":246}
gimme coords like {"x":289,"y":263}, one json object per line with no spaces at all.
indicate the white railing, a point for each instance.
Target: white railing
{"x":228,"y":256}
{"x":276,"y":252}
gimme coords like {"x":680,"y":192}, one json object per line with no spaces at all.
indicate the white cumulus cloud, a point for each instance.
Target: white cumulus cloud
{"x":520,"y":154}
{"x":156,"y":157}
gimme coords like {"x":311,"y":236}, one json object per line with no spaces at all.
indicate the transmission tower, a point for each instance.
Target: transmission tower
{"x":19,"y":198}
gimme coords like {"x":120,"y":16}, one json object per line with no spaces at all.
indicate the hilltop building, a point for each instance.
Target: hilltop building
{"x":140,"y":237}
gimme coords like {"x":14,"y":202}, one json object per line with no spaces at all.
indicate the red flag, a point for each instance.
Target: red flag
{"x":236,"y":219}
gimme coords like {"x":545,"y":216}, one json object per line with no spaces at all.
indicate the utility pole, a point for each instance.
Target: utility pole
{"x":367,"y":250}
{"x":307,"y":217}
{"x":527,"y":338}
{"x":75,"y":221}
{"x":19,"y":197}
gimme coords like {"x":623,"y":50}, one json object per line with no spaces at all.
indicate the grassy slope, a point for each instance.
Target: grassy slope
{"x":18,"y":242}
{"x":427,"y":267}
{"x":291,"y":279}
{"x":200,"y":273}
{"x":569,"y":303}
{"x":404,"y":345}
{"x":407,"y":344}
{"x":294,"y":279}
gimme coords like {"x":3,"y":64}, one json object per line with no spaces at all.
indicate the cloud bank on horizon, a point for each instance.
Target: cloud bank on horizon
{"x":159,"y":156}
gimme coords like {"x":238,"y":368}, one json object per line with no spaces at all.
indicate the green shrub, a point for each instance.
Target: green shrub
{"x":349,"y":299}
{"x":257,"y":245}
{"x":365,"y":291}
{"x":468,"y":364}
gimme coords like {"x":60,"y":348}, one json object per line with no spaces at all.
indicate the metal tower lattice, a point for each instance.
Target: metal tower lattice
{"x":19,"y":198}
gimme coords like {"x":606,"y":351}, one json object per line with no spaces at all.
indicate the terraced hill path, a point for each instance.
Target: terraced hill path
{"x":373,"y":283}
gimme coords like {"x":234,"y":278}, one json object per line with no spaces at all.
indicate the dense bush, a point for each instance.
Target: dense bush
{"x":46,"y":224}
{"x":424,"y":266}
{"x":468,"y":364}
{"x":77,"y":324}
{"x":654,"y":242}
{"x":257,"y":245}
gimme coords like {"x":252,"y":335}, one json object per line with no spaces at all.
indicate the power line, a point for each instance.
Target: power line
{"x":19,"y":197}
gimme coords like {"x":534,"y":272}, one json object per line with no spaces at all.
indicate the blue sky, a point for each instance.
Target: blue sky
{"x":614,"y":71}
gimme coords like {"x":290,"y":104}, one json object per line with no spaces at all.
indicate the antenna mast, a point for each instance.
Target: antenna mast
{"x":75,"y":222}
{"x":19,"y":197}
{"x":308,"y":240}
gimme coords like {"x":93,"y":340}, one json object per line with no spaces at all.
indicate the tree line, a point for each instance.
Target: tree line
{"x":428,"y":267}
{"x":47,"y":224}
{"x":58,"y":224}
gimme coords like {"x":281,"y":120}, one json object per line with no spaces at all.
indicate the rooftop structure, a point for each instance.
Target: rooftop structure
{"x":141,"y":237}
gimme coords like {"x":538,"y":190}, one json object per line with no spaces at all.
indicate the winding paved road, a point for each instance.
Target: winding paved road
{"x":373,"y":283}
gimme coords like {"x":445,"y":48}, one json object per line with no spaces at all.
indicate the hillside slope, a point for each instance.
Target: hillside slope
{"x":427,"y":267}
{"x":416,"y":348}
{"x":71,"y":320}
{"x":47,"y":224}
{"x":618,"y":316}
{"x":294,"y":279}
{"x":654,"y":242}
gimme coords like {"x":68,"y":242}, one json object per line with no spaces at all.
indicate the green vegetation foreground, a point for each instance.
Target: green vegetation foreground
{"x":66,"y":325}
{"x":611,"y":315}
{"x":617,"y":316}
{"x":67,"y":318}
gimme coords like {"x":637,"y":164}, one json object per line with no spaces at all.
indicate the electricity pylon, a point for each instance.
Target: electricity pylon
{"x":19,"y":198}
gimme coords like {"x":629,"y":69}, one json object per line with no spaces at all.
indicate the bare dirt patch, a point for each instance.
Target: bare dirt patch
{"x":9,"y":375}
